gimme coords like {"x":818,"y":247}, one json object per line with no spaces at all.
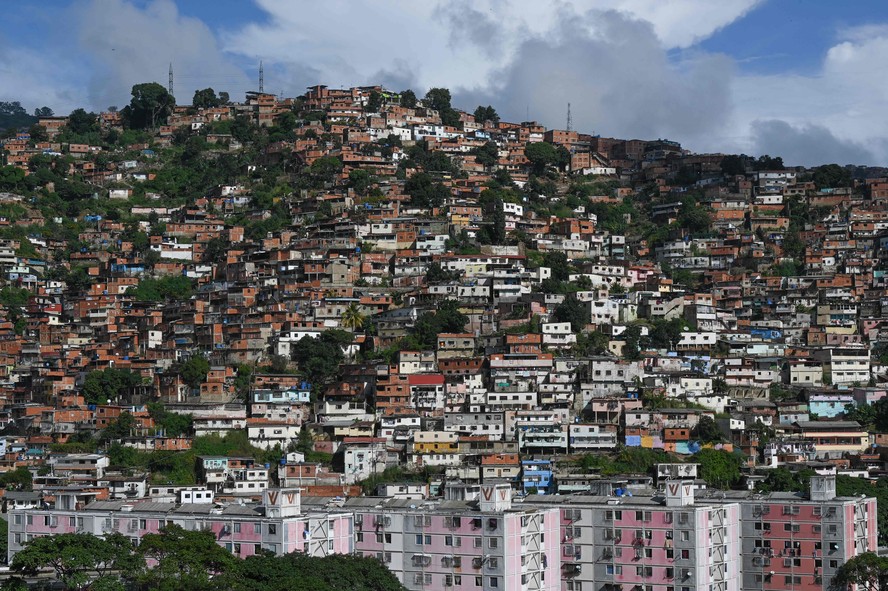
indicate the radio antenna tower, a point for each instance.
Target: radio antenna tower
{"x":569,"y":119}
{"x":170,"y":85}
{"x":261,"y":78}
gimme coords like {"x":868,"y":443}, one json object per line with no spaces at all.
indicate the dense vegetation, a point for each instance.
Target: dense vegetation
{"x":188,"y":561}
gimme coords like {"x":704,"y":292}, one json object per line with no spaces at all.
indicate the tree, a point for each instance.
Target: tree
{"x":487,"y":113}
{"x":439,"y":100}
{"x":374,"y":101}
{"x":13,"y":116}
{"x":81,"y":122}
{"x":173,"y":424}
{"x":447,"y":318}
{"x":435,"y":273}
{"x":119,"y":428}
{"x":216,"y":250}
{"x":487,"y":155}
{"x":831,"y":176}
{"x":102,"y":386}
{"x":632,"y":338}
{"x":541,"y":155}
{"x":150,"y":104}
{"x":782,"y":479}
{"x":300,"y":572}
{"x":176,"y":287}
{"x":12,"y":178}
{"x":325,"y":169}
{"x":185,"y":560}
{"x":573,"y":311}
{"x":707,"y":430}
{"x":868,"y":571}
{"x":733,"y":165}
{"x":719,"y":468}
{"x":557,"y":262}
{"x":194,"y":371}
{"x":319,"y":358}
{"x":408,"y":98}
{"x":38,"y":133}
{"x":43,"y":112}
{"x":205,"y":99}
{"x":78,"y":559}
{"x":360,"y":180}
{"x":425,"y":191}
{"x":352,"y":318}
{"x":305,"y":441}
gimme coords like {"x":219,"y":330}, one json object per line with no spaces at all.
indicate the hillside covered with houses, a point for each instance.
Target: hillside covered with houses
{"x":383,"y":300}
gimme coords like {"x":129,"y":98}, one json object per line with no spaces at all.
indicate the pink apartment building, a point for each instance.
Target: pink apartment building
{"x":666,"y":542}
{"x":475,"y":543}
{"x":278,"y":525}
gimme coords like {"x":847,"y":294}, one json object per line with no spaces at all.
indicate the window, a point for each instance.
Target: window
{"x":237,"y":548}
{"x":360,"y":536}
{"x":493,"y":563}
{"x":494,"y":581}
{"x":478,"y":581}
{"x":272,"y":529}
{"x":72,"y":521}
{"x":237,"y":528}
{"x":378,"y":538}
{"x":257,"y":528}
{"x":685,"y":536}
{"x":388,"y":538}
{"x":493,"y":543}
{"x":419,"y":539}
{"x":685,"y":554}
{"x":477,"y":542}
{"x":18,"y":519}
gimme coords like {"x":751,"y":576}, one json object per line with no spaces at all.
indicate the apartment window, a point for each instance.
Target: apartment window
{"x":257,"y":528}
{"x":272,"y":529}
{"x":494,"y":582}
{"x":237,"y":528}
{"x":18,"y":520}
{"x":477,"y":542}
{"x":479,"y":581}
{"x":419,"y":539}
{"x":685,"y":536}
{"x":72,"y":521}
{"x":378,"y":538}
{"x":360,"y":536}
{"x":493,"y":543}
{"x":493,"y":563}
{"x":237,"y":548}
{"x":685,"y":554}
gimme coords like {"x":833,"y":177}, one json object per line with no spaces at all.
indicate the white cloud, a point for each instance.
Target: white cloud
{"x":845,"y":98}
{"x":444,"y":43}
{"x":128,"y":45}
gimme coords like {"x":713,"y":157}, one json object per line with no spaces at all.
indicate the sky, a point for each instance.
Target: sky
{"x":801,"y":79}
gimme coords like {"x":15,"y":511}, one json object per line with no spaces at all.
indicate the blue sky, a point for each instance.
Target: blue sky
{"x":805,"y":79}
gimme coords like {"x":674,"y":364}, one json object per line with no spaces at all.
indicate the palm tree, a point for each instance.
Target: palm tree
{"x":352,"y":318}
